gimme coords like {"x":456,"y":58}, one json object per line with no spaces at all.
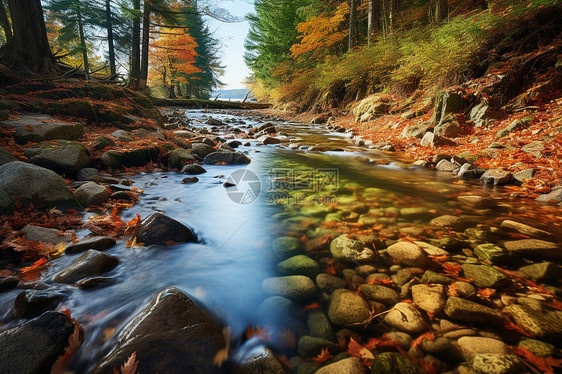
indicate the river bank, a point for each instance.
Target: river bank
{"x":388,"y":266}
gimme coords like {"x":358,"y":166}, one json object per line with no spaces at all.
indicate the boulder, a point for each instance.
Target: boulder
{"x":32,"y":183}
{"x":91,"y":193}
{"x":497,"y":177}
{"x":61,"y":157}
{"x":415,"y":131}
{"x":202,"y":149}
{"x":350,"y":251}
{"x":178,"y":157}
{"x":447,"y":104}
{"x":41,"y":127}
{"x":450,"y":129}
{"x":90,"y":264}
{"x":135,"y":157}
{"x":226,"y":158}
{"x":39,"y":345}
{"x":5,"y":156}
{"x":171,"y":334}
{"x":160,"y":229}
{"x":482,"y":115}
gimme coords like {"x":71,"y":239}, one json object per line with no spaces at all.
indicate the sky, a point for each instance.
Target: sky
{"x":232,"y":36}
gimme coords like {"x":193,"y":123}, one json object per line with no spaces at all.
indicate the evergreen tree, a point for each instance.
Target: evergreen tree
{"x":273,"y":30}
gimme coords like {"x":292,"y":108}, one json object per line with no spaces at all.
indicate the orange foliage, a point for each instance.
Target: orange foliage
{"x":544,"y":364}
{"x":320,"y":34}
{"x":322,"y":356}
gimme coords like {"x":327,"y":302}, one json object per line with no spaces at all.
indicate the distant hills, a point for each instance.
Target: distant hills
{"x":235,"y":94}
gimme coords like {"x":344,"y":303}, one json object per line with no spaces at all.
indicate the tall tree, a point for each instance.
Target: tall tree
{"x":110,"y":38}
{"x":352,"y":37}
{"x":373,"y":20}
{"x":30,"y":50}
{"x":134,"y":74}
{"x":145,"y":45}
{"x":441,"y":11}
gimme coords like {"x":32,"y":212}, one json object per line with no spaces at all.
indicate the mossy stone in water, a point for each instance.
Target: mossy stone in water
{"x":537,"y":347}
{"x":491,"y":252}
{"x":299,"y":265}
{"x":286,"y":246}
{"x":394,"y":363}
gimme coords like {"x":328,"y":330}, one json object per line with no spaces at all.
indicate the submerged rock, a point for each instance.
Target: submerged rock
{"x":347,"y":309}
{"x":296,"y":287}
{"x":31,"y":303}
{"x":171,"y":334}
{"x":349,"y":250}
{"x":99,"y":243}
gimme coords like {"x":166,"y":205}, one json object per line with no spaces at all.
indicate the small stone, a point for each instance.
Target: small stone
{"x":394,"y":363}
{"x":468,"y":171}
{"x":193,"y":169}
{"x":436,"y":345}
{"x":8,"y":283}
{"x":347,"y":309}
{"x":296,"y":287}
{"x":95,"y":282}
{"x":497,"y":177}
{"x":402,"y":338}
{"x":349,"y":250}
{"x":492,"y":363}
{"x":92,"y":193}
{"x":492,"y":253}
{"x":45,"y":235}
{"x":99,"y":243}
{"x":553,"y":197}
{"x":430,"y":249}
{"x":469,"y":311}
{"x":329,"y":283}
{"x":286,"y":246}
{"x":463,"y":289}
{"x":542,"y":271}
{"x":537,"y":324}
{"x":319,"y":326}
{"x":470,"y":346}
{"x":430,"y":298}
{"x":538,"y":348}
{"x":381,"y":294}
{"x":299,"y":265}
{"x":433,"y":277}
{"x":350,"y":365}
{"x":526,"y":229}
{"x":405,"y":317}
{"x":260,"y":362}
{"x":309,"y":346}
{"x":524,"y":175}
{"x":445,"y":165}
{"x":189,"y":180}
{"x":31,"y":303}
{"x":446,"y":221}
{"x":485,"y":276}
{"x":226,"y":158}
{"x":407,"y":253}
{"x":533,"y":248}
{"x":90,"y":264}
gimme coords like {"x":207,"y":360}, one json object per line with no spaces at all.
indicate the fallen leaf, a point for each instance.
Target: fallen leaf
{"x":323,"y":356}
{"x":129,"y":367}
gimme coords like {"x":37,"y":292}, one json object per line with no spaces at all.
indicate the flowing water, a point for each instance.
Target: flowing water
{"x":294,"y":193}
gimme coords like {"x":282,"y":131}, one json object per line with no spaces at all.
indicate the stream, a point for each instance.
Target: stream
{"x":282,"y":192}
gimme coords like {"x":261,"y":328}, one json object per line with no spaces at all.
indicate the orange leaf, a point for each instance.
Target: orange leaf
{"x":544,"y":364}
{"x":312,"y":306}
{"x":129,"y":367}
{"x":453,"y":269}
{"x":486,"y":293}
{"x":322,"y":356}
{"x":259,"y":333}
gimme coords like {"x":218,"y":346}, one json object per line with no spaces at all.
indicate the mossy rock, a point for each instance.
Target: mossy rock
{"x":99,"y":92}
{"x":143,"y":100}
{"x":137,"y":157}
{"x":102,"y":142}
{"x":394,"y":363}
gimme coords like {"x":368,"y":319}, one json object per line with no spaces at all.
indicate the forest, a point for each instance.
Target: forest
{"x":164,"y":45}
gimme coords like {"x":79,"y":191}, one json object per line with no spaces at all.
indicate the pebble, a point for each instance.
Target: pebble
{"x":405,"y":317}
{"x":470,"y":346}
{"x":485,"y":276}
{"x":381,"y":294}
{"x":492,"y":363}
{"x":407,"y":253}
{"x":469,"y":311}
{"x":347,"y":309}
{"x":351,"y":365}
{"x":329,"y":283}
{"x":430,"y":298}
{"x":296,"y":287}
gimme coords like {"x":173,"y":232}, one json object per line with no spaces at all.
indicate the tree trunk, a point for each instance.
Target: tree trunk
{"x":374,"y":20}
{"x":145,"y":46}
{"x":352,"y":24}
{"x":83,"y":42}
{"x":441,"y":11}
{"x":134,"y":75}
{"x":5,"y":23}
{"x":30,"y":46}
{"x":112,"y":66}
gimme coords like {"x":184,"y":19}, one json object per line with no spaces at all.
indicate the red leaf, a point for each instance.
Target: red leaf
{"x":323,"y":356}
{"x":544,"y":364}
